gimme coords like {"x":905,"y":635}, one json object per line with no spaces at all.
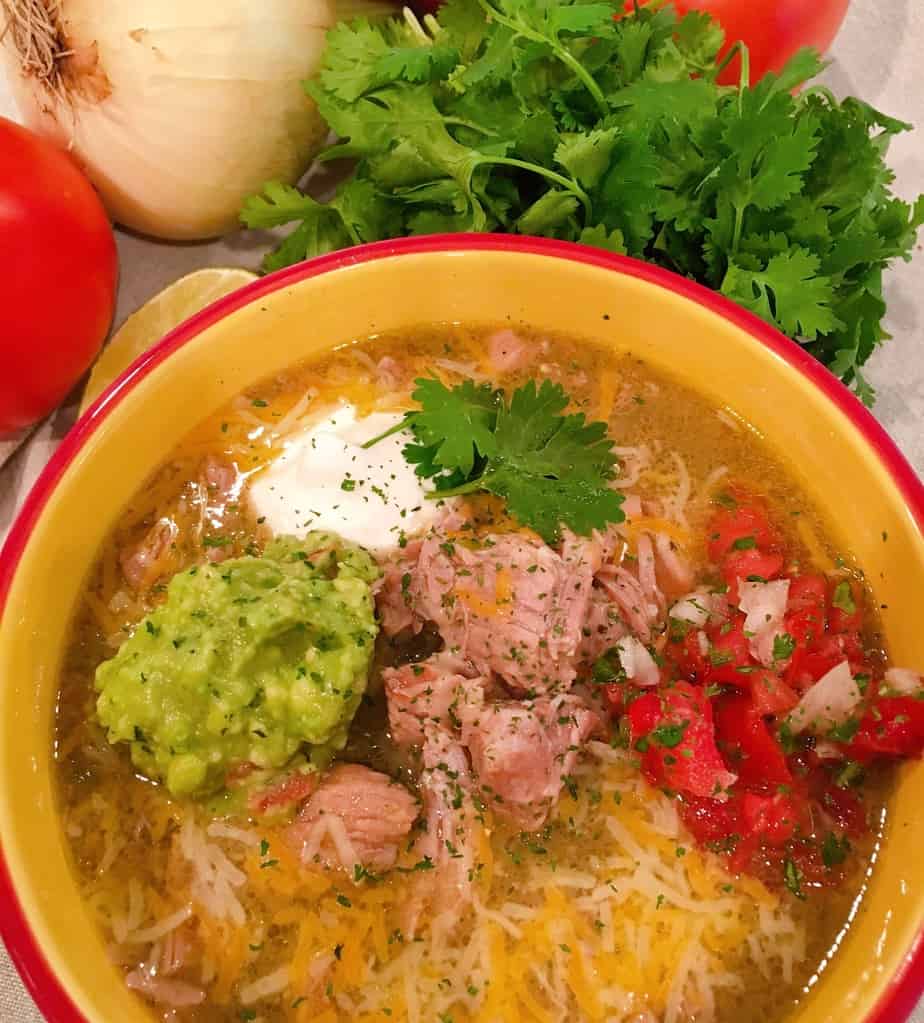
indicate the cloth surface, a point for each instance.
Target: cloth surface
{"x":876,"y":56}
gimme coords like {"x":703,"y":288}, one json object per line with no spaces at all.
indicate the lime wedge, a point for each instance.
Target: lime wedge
{"x":156,"y":317}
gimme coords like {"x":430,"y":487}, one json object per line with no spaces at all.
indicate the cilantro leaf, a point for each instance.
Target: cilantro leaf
{"x":787,"y":292}
{"x":599,"y":236}
{"x":586,"y":155}
{"x":454,"y":425}
{"x":544,"y":503}
{"x":551,"y":468}
{"x":532,"y":434}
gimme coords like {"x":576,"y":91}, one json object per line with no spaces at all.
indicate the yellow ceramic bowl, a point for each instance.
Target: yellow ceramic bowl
{"x":844,"y":460}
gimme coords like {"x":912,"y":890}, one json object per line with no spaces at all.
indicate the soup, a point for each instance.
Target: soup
{"x":330,"y":749}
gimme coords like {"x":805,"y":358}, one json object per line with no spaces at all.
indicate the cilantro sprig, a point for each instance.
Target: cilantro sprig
{"x":551,"y":468}
{"x":555,"y":119}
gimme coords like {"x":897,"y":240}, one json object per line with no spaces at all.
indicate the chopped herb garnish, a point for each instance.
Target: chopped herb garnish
{"x":670,"y":736}
{"x":842,"y":598}
{"x":744,"y":543}
{"x":834,"y":850}
{"x":783,"y":646}
{"x":792,"y":877}
{"x":845,"y":731}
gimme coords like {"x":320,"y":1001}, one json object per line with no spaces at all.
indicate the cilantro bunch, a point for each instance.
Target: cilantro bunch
{"x":551,"y":469}
{"x":549,"y":117}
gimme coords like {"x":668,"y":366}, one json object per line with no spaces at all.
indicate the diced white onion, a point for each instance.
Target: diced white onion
{"x":764,"y":605}
{"x":829,"y":702}
{"x":697,"y":608}
{"x":637,"y":662}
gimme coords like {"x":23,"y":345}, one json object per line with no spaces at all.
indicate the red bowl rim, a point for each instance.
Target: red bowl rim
{"x":905,"y":988}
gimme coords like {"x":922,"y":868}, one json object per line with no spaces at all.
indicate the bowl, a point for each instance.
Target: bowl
{"x":872,"y":498}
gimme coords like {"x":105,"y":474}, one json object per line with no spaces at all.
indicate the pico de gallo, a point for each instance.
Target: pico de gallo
{"x":772,"y":706}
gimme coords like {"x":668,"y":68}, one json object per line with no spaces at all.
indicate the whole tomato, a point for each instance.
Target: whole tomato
{"x":773,"y":30}
{"x":58,"y":276}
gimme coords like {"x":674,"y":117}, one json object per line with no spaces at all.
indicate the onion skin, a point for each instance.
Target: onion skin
{"x":178,"y":110}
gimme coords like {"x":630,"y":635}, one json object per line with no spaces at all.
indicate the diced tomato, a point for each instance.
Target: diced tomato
{"x":845,"y":808}
{"x":711,"y":821}
{"x":644,"y":715}
{"x":893,"y":726}
{"x":771,"y":695}
{"x":770,"y":819}
{"x":816,"y":779}
{"x":750,"y":563}
{"x":759,"y":833}
{"x":741,"y":528}
{"x":729,"y":650}
{"x":739,"y":794}
{"x":806,"y":609}
{"x":813,"y":663}
{"x":845,"y":606}
{"x":674,"y":732}
{"x":807,"y":593}
{"x":746,"y":743}
{"x":688,"y":655}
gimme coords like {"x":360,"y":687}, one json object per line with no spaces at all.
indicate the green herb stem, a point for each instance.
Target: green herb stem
{"x":550,"y":175}
{"x":568,"y":59}
{"x":402,"y":424}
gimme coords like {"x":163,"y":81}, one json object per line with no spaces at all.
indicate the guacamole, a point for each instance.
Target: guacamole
{"x":244,"y":662}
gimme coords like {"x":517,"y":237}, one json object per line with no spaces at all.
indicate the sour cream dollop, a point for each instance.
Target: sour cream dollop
{"x":326,"y":480}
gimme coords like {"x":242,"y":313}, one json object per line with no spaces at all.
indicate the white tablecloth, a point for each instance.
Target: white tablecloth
{"x":876,"y":56}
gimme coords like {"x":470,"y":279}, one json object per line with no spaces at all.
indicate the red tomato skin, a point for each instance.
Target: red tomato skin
{"x":689,"y":659}
{"x":740,"y":565}
{"x":771,"y":695}
{"x":816,"y":661}
{"x":745,"y":521}
{"x":694,"y":765}
{"x":58,"y":290}
{"x":808,"y":593}
{"x":746,"y":743}
{"x":772,"y":29}
{"x":731,"y":648}
{"x":770,"y":819}
{"x":892,"y":727}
